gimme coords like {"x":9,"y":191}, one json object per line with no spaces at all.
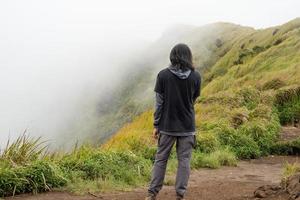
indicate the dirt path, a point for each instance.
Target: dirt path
{"x":226,"y":183}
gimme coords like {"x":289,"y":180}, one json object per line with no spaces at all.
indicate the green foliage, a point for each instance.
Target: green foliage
{"x":288,"y":105}
{"x":37,"y":177}
{"x":286,"y":148}
{"x":289,"y":112}
{"x":260,"y":133}
{"x":214,"y":159}
{"x":244,"y":146}
{"x":24,"y":149}
{"x":120,"y":166}
{"x":207,"y":142}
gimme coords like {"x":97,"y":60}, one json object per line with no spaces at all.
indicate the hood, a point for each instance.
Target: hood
{"x":182,"y":74}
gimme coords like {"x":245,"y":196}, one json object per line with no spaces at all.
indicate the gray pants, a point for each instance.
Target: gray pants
{"x":184,"y":146}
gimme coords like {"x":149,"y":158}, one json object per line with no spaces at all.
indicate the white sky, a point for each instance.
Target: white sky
{"x":51,"y":51}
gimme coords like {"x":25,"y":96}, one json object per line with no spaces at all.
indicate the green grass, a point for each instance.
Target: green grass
{"x":214,"y":160}
{"x":84,"y":169}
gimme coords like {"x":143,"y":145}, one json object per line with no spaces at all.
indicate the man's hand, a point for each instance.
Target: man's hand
{"x":155,"y":133}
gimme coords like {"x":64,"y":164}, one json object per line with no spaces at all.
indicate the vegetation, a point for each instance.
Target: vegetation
{"x":73,"y":170}
{"x":250,"y":88}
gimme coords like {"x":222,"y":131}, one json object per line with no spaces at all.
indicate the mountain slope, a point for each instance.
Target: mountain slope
{"x":246,"y":73}
{"x":210,"y":43}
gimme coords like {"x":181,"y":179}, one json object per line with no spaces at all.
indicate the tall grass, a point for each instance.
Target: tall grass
{"x":26,"y":166}
{"x":24,"y":149}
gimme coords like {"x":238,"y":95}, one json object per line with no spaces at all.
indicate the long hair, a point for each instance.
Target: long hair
{"x":181,"y":56}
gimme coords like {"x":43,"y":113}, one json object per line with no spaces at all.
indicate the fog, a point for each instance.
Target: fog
{"x":60,"y":58}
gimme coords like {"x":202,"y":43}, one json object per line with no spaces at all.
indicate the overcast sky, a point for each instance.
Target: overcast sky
{"x":53,"y":50}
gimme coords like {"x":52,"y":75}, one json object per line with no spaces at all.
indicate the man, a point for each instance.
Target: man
{"x":177,"y":88}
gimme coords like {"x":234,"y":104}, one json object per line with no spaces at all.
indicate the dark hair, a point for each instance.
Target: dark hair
{"x":181,"y":56}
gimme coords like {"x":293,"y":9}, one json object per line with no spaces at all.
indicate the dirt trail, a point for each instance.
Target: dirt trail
{"x":226,"y":183}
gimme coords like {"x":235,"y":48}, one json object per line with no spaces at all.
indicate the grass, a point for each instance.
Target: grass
{"x":23,"y":150}
{"x":289,"y":170}
{"x":214,"y":160}
{"x":84,"y":169}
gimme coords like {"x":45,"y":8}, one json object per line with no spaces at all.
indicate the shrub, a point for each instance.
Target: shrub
{"x":244,"y":146}
{"x":37,"y":177}
{"x":289,"y":112}
{"x":260,"y":134}
{"x":214,"y":160}
{"x":226,"y":134}
{"x":207,"y":142}
{"x":204,"y":160}
{"x":286,"y":148}
{"x":121,"y":166}
{"x":225,"y":157}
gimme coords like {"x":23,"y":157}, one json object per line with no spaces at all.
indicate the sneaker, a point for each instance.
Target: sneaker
{"x":150,"y":197}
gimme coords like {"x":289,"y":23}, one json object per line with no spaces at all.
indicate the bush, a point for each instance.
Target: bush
{"x":120,"y":166}
{"x":37,"y":177}
{"x":258,"y":132}
{"x":226,"y":134}
{"x":207,"y":142}
{"x":204,"y":160}
{"x":289,"y":112}
{"x":214,"y":160}
{"x":225,"y":157}
{"x":244,"y":146}
{"x":286,"y":148}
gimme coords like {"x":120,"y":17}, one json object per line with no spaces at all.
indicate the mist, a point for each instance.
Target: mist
{"x":60,"y":59}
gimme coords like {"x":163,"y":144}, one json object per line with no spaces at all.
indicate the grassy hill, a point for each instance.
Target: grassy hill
{"x":135,"y":94}
{"x":251,"y":87}
{"x":251,"y":79}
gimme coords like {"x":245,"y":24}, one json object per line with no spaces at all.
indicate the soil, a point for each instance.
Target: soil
{"x":226,"y":183}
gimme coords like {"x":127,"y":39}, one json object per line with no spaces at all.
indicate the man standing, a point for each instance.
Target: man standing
{"x":177,"y":88}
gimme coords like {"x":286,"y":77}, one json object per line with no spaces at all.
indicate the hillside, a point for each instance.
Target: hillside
{"x":251,"y":88}
{"x":251,"y":79}
{"x":135,"y":95}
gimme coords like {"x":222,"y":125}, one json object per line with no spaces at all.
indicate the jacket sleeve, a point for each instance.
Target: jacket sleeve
{"x":198,"y":88}
{"x":159,"y":101}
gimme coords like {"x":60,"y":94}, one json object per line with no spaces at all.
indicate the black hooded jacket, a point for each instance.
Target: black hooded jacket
{"x":176,"y":91}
